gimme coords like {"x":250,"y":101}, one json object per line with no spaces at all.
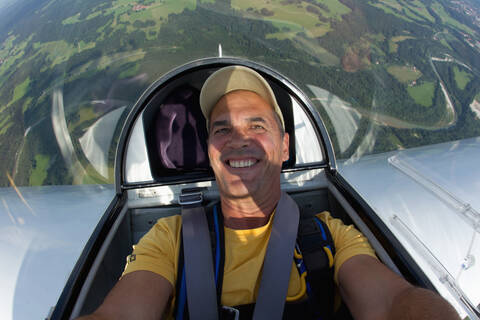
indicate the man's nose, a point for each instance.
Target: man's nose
{"x":239,"y":139}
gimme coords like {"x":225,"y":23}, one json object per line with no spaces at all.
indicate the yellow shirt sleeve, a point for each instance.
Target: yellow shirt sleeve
{"x":158,"y":250}
{"x":348,"y":241}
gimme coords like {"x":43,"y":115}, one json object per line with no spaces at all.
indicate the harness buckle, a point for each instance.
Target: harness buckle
{"x":191,"y":196}
{"x":230,"y":313}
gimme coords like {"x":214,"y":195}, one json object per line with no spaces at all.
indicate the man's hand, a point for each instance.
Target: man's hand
{"x":372,"y":291}
{"x":138,"y":295}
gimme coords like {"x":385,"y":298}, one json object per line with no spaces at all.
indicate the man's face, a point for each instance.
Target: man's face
{"x":245,"y":146}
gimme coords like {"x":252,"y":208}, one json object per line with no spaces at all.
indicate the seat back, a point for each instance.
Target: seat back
{"x":176,"y":132}
{"x":180,"y":131}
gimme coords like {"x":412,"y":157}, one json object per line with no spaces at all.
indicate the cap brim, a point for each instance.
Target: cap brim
{"x":233,"y":78}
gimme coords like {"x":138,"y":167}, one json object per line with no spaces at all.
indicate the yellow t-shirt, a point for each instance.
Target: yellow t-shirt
{"x":158,"y":252}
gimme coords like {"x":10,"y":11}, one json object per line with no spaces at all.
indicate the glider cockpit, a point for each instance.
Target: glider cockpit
{"x":162,"y":151}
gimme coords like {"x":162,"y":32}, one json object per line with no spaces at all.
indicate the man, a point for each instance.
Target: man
{"x":247,"y":144}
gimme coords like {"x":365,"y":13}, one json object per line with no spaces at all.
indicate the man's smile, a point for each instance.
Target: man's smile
{"x":245,"y":163}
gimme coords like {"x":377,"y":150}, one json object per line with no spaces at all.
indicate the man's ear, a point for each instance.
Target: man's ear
{"x":285,"y":147}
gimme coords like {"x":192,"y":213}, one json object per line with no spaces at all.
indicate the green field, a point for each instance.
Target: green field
{"x":20,"y":90}
{"x":404,"y":74}
{"x":420,"y":9}
{"x":130,"y":72}
{"x":72,"y":19}
{"x":156,"y":11}
{"x":27,"y":103}
{"x":123,"y":12}
{"x":85,"y":113}
{"x":91,"y":176}
{"x":13,"y":54}
{"x":337,"y":9}
{"x":60,"y":51}
{"x":445,"y":43}
{"x":6,"y":46}
{"x":292,"y":18}
{"x":401,"y":38}
{"x":5,"y":123}
{"x":18,"y":93}
{"x":423,"y":93}
{"x":323,"y":55}
{"x":462,"y":78}
{"x":414,"y":10}
{"x":389,"y":6}
{"x":393,"y":43}
{"x":120,"y":58}
{"x":4,"y":129}
{"x":445,"y":38}
{"x":393,"y":4}
{"x":395,"y":141}
{"x":39,"y":173}
{"x":445,"y":17}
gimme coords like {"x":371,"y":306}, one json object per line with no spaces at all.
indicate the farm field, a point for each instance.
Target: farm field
{"x":404,"y":74}
{"x":462,"y":77}
{"x":422,"y":93}
{"x":292,"y":17}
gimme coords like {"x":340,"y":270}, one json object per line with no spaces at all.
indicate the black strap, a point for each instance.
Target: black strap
{"x":277,"y":264}
{"x":319,"y":304}
{"x":200,"y":282}
{"x":313,"y":237}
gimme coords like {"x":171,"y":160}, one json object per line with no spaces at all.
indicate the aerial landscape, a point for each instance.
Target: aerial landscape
{"x":406,"y":71}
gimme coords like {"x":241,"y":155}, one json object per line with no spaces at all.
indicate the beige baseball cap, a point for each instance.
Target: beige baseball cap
{"x":233,"y":78}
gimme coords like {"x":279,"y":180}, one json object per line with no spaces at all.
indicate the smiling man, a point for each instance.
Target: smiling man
{"x":247,"y":145}
{"x":246,"y":142}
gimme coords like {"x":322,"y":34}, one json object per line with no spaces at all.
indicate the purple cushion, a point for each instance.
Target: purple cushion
{"x":180,"y":130}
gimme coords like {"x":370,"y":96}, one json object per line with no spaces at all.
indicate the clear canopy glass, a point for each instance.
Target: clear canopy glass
{"x":384,"y":75}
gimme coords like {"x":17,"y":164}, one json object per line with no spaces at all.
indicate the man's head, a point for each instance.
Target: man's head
{"x":247,"y":144}
{"x":233,"y":78}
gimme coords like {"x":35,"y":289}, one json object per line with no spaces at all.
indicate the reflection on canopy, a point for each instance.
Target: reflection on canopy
{"x":63,"y":138}
{"x":97,"y":139}
{"x":345,"y":119}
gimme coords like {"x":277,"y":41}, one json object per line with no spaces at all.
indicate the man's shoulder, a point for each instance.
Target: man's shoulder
{"x":165,"y":227}
{"x":173,"y":222}
{"x":170,"y":220}
{"x":333,"y":224}
{"x":325,"y":216}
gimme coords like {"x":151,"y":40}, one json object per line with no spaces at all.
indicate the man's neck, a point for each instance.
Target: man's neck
{"x":247,"y":213}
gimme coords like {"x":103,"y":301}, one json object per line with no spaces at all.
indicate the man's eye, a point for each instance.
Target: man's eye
{"x":221,"y":131}
{"x":257,"y":127}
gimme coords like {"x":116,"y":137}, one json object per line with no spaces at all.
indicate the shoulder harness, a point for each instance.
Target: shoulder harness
{"x":313,"y":256}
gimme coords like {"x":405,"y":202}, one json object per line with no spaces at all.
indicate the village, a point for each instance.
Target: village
{"x":465,"y":8}
{"x":139,"y":7}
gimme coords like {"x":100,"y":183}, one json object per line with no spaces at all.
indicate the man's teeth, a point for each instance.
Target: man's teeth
{"x":241,"y":163}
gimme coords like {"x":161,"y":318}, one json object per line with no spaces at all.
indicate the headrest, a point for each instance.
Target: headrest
{"x":180,"y":131}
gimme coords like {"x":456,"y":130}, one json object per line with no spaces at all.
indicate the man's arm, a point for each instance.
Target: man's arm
{"x":372,"y":291}
{"x":137,"y":295}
